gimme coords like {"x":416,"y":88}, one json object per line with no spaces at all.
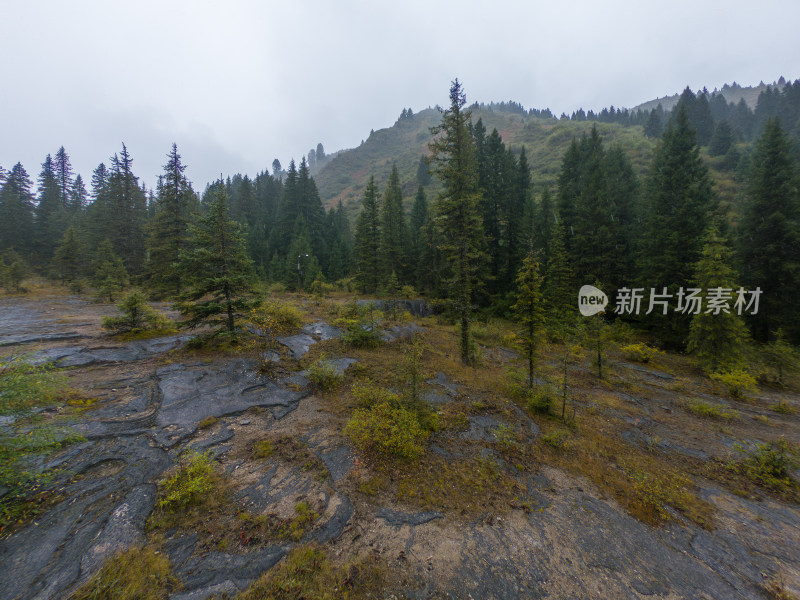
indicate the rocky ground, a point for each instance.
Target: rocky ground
{"x":564,"y":538}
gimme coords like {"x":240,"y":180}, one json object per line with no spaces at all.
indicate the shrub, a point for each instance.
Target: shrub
{"x":137,"y":316}
{"x":540,"y":400}
{"x":321,"y":289}
{"x":323,"y":375}
{"x":388,"y":429}
{"x":275,"y":318}
{"x":276,"y":288}
{"x":195,"y":478}
{"x":555,"y":439}
{"x":737,"y":381}
{"x":136,"y":574}
{"x":367,"y":394}
{"x":639,"y":352}
{"x":360,"y":335}
{"x":769,"y":464}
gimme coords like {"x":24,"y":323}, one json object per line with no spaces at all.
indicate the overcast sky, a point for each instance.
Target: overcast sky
{"x":238,"y":83}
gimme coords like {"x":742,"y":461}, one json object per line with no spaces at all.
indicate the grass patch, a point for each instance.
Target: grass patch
{"x":306,"y":573}
{"x":707,"y":410}
{"x":26,"y":494}
{"x":290,"y":450}
{"x":639,"y":352}
{"x":783,"y":407}
{"x":23,"y":386}
{"x":207,"y":422}
{"x":136,"y":574}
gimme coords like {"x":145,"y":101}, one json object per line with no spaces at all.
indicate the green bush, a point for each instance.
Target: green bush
{"x":737,"y":381}
{"x":136,"y":316}
{"x":321,"y":289}
{"x":360,"y":335}
{"x":769,"y":464}
{"x":555,"y":439}
{"x":387,"y":429}
{"x":639,"y":352}
{"x":274,"y":317}
{"x":540,"y":400}
{"x":262,"y":449}
{"x":323,"y":375}
{"x":195,"y":478}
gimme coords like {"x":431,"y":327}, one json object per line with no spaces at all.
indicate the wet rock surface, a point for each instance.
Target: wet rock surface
{"x":573,"y":543}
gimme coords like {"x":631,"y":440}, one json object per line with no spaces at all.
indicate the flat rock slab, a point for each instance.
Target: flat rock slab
{"x":14,"y":340}
{"x":321,"y":331}
{"x":189,"y":395}
{"x":78,"y":356}
{"x":442,"y":381}
{"x":482,"y":428}
{"x":645,"y":370}
{"x":401,"y":332}
{"x":299,"y":344}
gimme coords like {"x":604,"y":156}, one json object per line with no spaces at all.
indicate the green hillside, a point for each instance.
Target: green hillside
{"x":545,"y":141}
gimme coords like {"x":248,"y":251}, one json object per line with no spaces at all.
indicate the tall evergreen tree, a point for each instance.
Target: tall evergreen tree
{"x":366,"y":250}
{"x":393,"y":229}
{"x":770,"y":234}
{"x":216,"y":269}
{"x":716,"y":337}
{"x":16,"y":212}
{"x":69,"y":256}
{"x":168,"y":237}
{"x":457,"y":214}
{"x":529,"y":309}
{"x":127,"y":211}
{"x":418,"y":221}
{"x":50,"y":213}
{"x":63,"y":173}
{"x":78,"y":196}
{"x":678,"y":204}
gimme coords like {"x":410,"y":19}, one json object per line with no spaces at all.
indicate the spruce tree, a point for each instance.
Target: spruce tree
{"x":50,"y":213}
{"x":457,"y":214}
{"x":677,"y":208}
{"x":529,"y":310}
{"x":366,"y":250}
{"x":127,"y":211}
{"x":769,"y":234}
{"x":559,"y":290}
{"x":418,"y":220}
{"x":717,"y":337}
{"x":78,"y":197}
{"x":175,"y":205}
{"x":216,"y":269}
{"x":16,"y":212}
{"x":63,"y":173}
{"x":109,"y":274}
{"x":68,"y":257}
{"x":13,"y":271}
{"x":393,"y":229}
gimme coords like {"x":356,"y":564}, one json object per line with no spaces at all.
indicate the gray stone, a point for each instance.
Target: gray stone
{"x":401,"y":332}
{"x":124,"y":528}
{"x":339,"y":461}
{"x":442,"y":381}
{"x":321,"y":331}
{"x":298,"y":345}
{"x":481,"y":429}
{"x":435,"y":398}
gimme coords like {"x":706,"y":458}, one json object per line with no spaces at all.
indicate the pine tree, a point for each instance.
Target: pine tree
{"x":50,"y":213}
{"x":770,"y":234}
{"x":529,"y":310}
{"x":16,"y":211}
{"x":717,"y":339}
{"x":457,"y":214}
{"x":127,"y":210}
{"x":366,"y":250}
{"x":175,"y":205}
{"x":393,"y":229}
{"x":678,"y":204}
{"x":13,"y":271}
{"x":78,"y":197}
{"x":110,"y":276}
{"x":216,"y":268}
{"x":558,"y":286}
{"x":418,"y":220}
{"x":63,"y":173}
{"x":68,"y":256}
